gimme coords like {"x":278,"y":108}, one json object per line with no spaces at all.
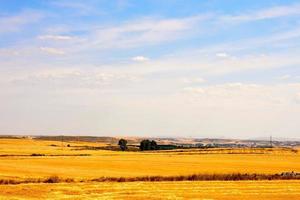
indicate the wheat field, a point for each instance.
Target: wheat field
{"x":57,"y":159}
{"x":211,"y":190}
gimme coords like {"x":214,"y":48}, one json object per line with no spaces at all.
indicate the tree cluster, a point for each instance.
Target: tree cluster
{"x":123,"y":144}
{"x":148,"y":145}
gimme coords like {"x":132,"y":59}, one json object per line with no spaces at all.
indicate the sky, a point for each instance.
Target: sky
{"x":172,"y":68}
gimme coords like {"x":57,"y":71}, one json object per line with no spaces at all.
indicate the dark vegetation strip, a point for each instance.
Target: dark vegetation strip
{"x":194,"y":150}
{"x":194,"y":177}
{"x":60,"y":155}
{"x":204,"y":177}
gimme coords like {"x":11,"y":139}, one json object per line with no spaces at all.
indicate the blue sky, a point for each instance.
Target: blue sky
{"x":150,"y":68}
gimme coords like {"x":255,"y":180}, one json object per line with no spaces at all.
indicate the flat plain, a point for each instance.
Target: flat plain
{"x":21,"y":159}
{"x":205,"y":190}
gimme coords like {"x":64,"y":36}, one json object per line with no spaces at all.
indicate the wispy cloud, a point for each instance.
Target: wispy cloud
{"x":80,"y":7}
{"x":222,"y":55}
{"x":53,"y":51}
{"x":241,"y":94}
{"x":140,"y":58}
{"x":55,"y":37}
{"x":72,"y":78}
{"x":268,"y":13}
{"x":135,"y":33}
{"x":13,"y":23}
{"x":150,"y":64}
{"x":208,"y":64}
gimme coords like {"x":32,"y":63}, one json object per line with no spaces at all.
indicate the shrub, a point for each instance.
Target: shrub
{"x":37,"y":154}
{"x":123,"y":144}
{"x":148,"y":145}
{"x":52,"y":179}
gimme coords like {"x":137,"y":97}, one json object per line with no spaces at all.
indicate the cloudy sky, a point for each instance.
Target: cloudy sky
{"x":215,"y":68}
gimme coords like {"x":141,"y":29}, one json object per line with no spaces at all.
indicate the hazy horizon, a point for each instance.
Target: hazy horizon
{"x":217,"y":69}
{"x":263,"y":138}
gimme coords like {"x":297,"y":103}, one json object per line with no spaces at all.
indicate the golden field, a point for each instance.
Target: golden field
{"x":203,"y":190}
{"x":75,"y":162}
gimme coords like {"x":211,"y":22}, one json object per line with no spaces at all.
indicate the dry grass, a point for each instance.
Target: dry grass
{"x":203,"y":190}
{"x":193,"y":177}
{"x":130,"y":164}
{"x":69,"y":165}
{"x":281,"y":151}
{"x":51,"y":179}
{"x":29,"y":146}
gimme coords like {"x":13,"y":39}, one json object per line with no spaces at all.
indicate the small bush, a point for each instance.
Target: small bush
{"x":69,"y":180}
{"x":37,"y":154}
{"x":52,"y":179}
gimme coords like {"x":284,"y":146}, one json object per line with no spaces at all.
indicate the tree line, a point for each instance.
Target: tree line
{"x":144,"y":145}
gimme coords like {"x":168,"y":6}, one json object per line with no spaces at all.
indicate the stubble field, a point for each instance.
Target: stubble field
{"x":22,"y":159}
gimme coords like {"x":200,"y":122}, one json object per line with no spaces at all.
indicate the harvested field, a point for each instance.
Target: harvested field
{"x":35,"y":169}
{"x":205,"y":190}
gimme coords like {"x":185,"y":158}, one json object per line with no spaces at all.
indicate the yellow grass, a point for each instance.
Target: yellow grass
{"x":30,"y":146}
{"x":217,"y":190}
{"x":128,"y":164}
{"x":18,"y":164}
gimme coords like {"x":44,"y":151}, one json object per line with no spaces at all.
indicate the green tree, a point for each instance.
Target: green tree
{"x":153,"y":145}
{"x":148,"y":145}
{"x":123,"y":144}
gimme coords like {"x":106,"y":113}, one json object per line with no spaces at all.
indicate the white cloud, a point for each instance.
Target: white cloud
{"x":15,"y":23}
{"x":82,"y":8}
{"x":149,"y":98}
{"x":55,"y":37}
{"x":231,"y":109}
{"x":140,"y":58}
{"x":194,"y":90}
{"x":74,"y":78}
{"x":208,"y":65}
{"x":53,"y":51}
{"x":244,"y":95}
{"x":268,"y":13}
{"x":222,"y":55}
{"x":142,"y":32}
